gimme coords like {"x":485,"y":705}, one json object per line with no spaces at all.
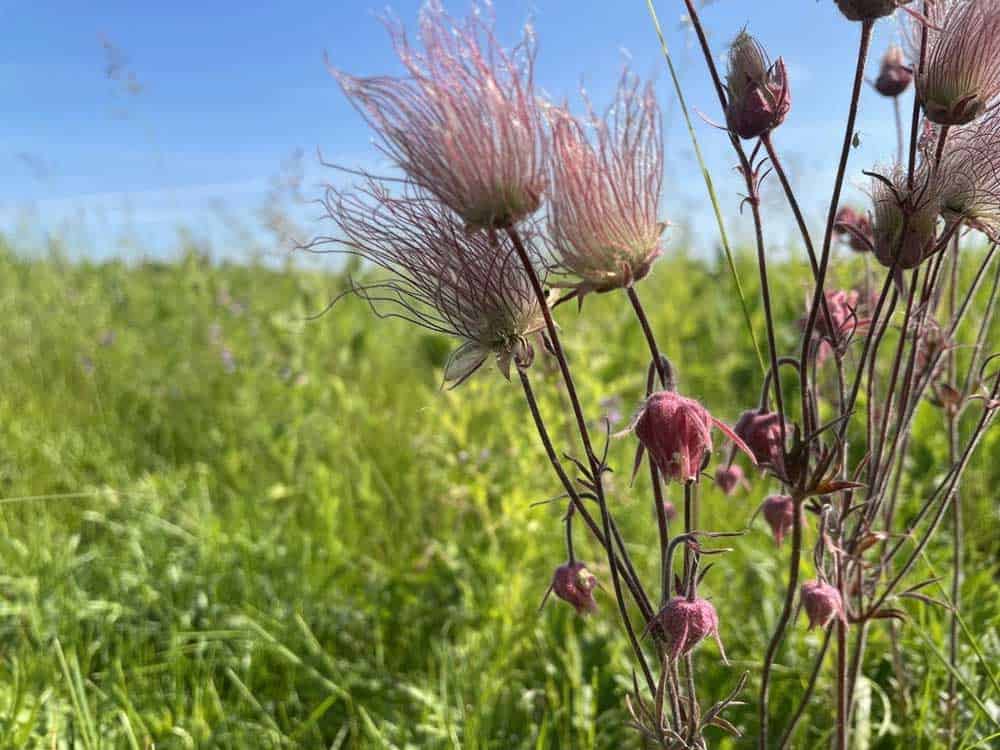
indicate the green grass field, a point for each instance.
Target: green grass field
{"x":225,"y":526}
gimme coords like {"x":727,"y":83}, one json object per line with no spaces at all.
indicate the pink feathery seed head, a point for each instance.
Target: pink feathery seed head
{"x":605,"y":190}
{"x":728,"y":478}
{"x":760,"y":430}
{"x":969,"y":175}
{"x":905,"y":219}
{"x":759,"y":96}
{"x":469,"y":286}
{"x":677,"y":432}
{"x":895,"y":75}
{"x":854,"y":229}
{"x":779,"y":513}
{"x":464,"y":123}
{"x":961,"y":75}
{"x":684,"y":623}
{"x":868,"y":10}
{"x":822,"y":603}
{"x":574,"y":584}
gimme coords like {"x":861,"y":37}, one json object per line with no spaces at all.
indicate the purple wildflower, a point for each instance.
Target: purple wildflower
{"x":905,"y":219}
{"x":684,"y":623}
{"x":464,"y":124}
{"x":759,"y":97}
{"x":969,"y":175}
{"x":574,"y":584}
{"x":895,"y":76}
{"x":822,"y":603}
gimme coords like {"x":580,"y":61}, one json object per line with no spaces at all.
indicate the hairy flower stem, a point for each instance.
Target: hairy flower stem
{"x":779,"y":629}
{"x":952,"y":414}
{"x":662,"y":525}
{"x":578,"y":505}
{"x":899,"y":129}
{"x":786,"y":736}
{"x":662,"y":369}
{"x":596,"y":467}
{"x":819,"y":294}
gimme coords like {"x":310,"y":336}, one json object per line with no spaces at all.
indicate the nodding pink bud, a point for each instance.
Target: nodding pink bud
{"x":669,"y":510}
{"x":895,"y":75}
{"x":854,"y":229}
{"x":906,"y":219}
{"x":759,"y":97}
{"x":868,"y":10}
{"x":677,"y":432}
{"x":728,"y":478}
{"x":822,"y":603}
{"x":683,"y":624}
{"x":574,"y":584}
{"x":779,"y":512}
{"x":761,"y":431}
{"x":961,"y":76}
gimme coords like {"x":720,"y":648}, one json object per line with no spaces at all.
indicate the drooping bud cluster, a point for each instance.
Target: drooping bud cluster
{"x":677,"y":432}
{"x":759,"y":96}
{"x":905,"y":219}
{"x":464,"y":125}
{"x":895,"y":76}
{"x":961,"y":75}
{"x":603,"y":218}
{"x":575,"y":585}
{"x":854,"y":228}
{"x":822,"y":603}
{"x":728,"y":478}
{"x":779,"y":513}
{"x":868,"y":10}
{"x":760,"y":430}
{"x":684,"y":623}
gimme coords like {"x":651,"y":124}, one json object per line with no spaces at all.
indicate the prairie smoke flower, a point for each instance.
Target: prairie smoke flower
{"x":684,"y":623}
{"x":868,"y":10}
{"x":464,"y":124}
{"x":574,"y":584}
{"x":779,"y":513}
{"x":905,"y":220}
{"x":760,"y":430}
{"x":728,"y":478}
{"x":759,"y":97}
{"x":895,"y":75}
{"x":961,"y":76}
{"x":854,"y":228}
{"x":969,"y":175}
{"x":470,"y":286}
{"x":605,"y":191}
{"x":677,"y":432}
{"x":822,"y":603}
{"x":846,"y":319}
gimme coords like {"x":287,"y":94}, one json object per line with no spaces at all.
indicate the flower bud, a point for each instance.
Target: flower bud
{"x":895,"y":75}
{"x":759,"y":97}
{"x":574,"y":584}
{"x":822,"y":603}
{"x":854,"y":229}
{"x":677,"y":432}
{"x":684,"y":623}
{"x":906,"y":220}
{"x":867,"y":10}
{"x":669,"y":510}
{"x":779,"y":512}
{"x":728,"y":478}
{"x":761,"y":431}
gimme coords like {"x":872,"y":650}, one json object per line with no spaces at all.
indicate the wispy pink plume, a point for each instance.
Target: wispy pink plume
{"x":470,"y":286}
{"x":464,"y":123}
{"x":969,"y":174}
{"x":605,"y":190}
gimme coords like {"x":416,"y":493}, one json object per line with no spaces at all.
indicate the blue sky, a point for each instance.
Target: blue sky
{"x":208,"y":103}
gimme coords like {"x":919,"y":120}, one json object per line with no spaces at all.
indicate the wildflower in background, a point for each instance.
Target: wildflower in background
{"x":969,"y":175}
{"x":605,"y":190}
{"x":759,"y":97}
{"x":470,"y":286}
{"x":684,"y":623}
{"x":905,"y":220}
{"x":779,"y":513}
{"x":868,"y":10}
{"x":677,"y":432}
{"x":854,"y":228}
{"x":464,"y":125}
{"x":845,"y":317}
{"x":931,"y":343}
{"x":574,"y":584}
{"x":728,"y":478}
{"x":961,"y":76}
{"x":822,"y":603}
{"x":760,"y":430}
{"x":669,"y":510}
{"x":895,"y":75}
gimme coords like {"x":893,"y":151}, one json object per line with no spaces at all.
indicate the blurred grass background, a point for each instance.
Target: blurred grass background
{"x":226,"y":526}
